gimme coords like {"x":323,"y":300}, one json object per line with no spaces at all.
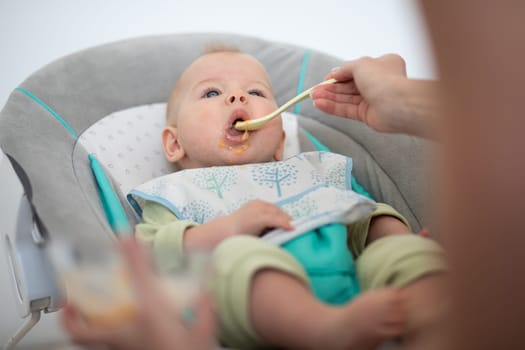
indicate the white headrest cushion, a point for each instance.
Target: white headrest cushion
{"x":128,"y":143}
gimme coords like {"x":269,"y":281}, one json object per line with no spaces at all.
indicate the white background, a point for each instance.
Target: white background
{"x":36,"y":32}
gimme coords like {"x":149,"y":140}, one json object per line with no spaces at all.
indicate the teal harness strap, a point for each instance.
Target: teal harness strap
{"x":112,"y":207}
{"x":317,"y":144}
{"x":300,"y":83}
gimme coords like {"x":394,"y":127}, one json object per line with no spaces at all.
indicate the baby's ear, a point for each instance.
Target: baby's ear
{"x":170,"y":144}
{"x":280,"y":151}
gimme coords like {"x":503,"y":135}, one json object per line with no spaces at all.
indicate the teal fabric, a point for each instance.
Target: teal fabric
{"x":325,"y":256}
{"x":356,"y":186}
{"x":114,"y":211}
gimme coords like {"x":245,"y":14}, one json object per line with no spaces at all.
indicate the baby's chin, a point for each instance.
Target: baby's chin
{"x":244,"y":155}
{"x":234,"y":145}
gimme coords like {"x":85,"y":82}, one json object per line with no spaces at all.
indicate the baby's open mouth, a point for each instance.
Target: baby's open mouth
{"x":231,"y":131}
{"x":233,"y":135}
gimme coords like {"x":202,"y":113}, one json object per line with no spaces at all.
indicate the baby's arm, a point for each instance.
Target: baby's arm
{"x":163,"y":232}
{"x":253,"y":218}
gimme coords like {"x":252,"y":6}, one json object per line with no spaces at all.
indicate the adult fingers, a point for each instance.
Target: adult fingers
{"x":139,"y":265}
{"x":346,"y":110}
{"x":394,"y":62}
{"x":347,"y":88}
{"x":78,"y":329}
{"x":337,"y":97}
{"x":344,"y":72}
{"x":205,"y":326}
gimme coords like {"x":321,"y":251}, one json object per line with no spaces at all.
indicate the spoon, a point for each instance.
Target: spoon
{"x":254,"y":124}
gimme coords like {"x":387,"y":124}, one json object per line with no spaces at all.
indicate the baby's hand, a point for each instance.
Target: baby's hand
{"x":256,"y":217}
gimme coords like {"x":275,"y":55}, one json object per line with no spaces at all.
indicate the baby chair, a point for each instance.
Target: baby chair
{"x":79,"y":133}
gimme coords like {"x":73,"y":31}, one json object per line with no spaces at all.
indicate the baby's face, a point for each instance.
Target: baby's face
{"x":217,"y":90}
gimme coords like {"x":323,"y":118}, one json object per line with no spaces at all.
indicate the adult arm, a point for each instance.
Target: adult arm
{"x":480,"y":51}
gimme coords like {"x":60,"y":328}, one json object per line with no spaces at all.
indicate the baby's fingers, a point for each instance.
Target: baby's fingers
{"x":276,"y":217}
{"x":268,"y":215}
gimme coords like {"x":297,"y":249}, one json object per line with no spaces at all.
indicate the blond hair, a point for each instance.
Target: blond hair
{"x":211,"y":48}
{"x":218,"y":47}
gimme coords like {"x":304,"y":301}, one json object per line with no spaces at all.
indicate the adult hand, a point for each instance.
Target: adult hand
{"x":367,"y":90}
{"x":157,"y":323}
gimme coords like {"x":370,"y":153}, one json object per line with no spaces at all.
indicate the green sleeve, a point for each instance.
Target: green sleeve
{"x":398,"y":260}
{"x":162,"y":232}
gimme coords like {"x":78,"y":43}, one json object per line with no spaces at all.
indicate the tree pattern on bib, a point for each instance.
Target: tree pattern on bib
{"x":301,"y":208}
{"x":199,"y":211}
{"x":275,"y":175}
{"x":216,"y":179}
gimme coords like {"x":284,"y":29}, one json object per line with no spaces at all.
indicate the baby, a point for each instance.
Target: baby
{"x":269,"y":294}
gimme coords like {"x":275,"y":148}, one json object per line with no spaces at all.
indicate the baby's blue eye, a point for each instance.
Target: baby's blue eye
{"x":211,"y":93}
{"x":256,"y":93}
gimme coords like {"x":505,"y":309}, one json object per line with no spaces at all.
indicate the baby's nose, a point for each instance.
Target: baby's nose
{"x":237,"y":98}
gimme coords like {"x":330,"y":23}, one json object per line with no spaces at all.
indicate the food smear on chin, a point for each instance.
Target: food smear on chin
{"x":235,"y":149}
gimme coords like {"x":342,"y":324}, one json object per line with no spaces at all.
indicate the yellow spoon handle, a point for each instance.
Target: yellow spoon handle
{"x":258,"y":123}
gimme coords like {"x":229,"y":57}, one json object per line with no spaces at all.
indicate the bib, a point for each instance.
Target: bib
{"x":314,"y":188}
